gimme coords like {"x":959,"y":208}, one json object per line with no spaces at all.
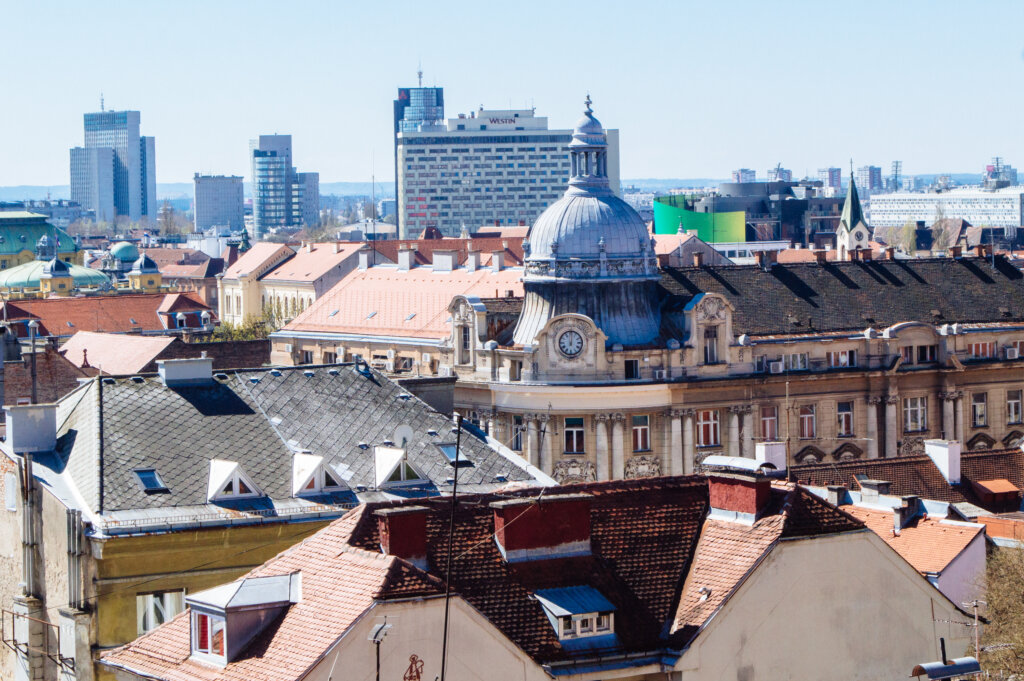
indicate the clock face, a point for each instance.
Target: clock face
{"x":570,"y":343}
{"x":860,"y":236}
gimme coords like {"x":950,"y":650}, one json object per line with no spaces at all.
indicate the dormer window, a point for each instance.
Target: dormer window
{"x":578,"y":613}
{"x":392,"y":467}
{"x":311,"y":475}
{"x":229,"y":481}
{"x":208,"y":635}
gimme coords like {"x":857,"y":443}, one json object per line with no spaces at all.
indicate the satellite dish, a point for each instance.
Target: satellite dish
{"x":403,"y":435}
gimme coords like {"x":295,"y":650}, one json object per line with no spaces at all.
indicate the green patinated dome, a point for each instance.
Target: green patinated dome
{"x":28,"y":275}
{"x":124,"y":251}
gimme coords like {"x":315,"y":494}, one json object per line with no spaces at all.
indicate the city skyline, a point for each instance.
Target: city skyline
{"x":694,"y":101}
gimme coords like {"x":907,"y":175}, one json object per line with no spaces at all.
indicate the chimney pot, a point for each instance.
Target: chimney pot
{"x":497,"y":223}
{"x":890,"y":253}
{"x":403,"y":533}
{"x":364,"y":257}
{"x":555,"y":526}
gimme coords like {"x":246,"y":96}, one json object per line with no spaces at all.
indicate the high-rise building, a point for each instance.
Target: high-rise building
{"x":780,"y":174}
{"x":417,"y":109}
{"x":501,"y":166}
{"x":92,"y":181}
{"x":744,"y":175}
{"x":281,"y":197}
{"x":218,"y":202}
{"x":870,"y":179}
{"x":133,"y":164}
{"x":831,"y":177}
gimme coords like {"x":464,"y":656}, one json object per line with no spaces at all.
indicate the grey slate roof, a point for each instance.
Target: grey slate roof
{"x":109,"y":427}
{"x":839,"y":296}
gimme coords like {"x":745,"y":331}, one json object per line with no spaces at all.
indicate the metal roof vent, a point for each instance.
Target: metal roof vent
{"x":432,"y":433}
{"x":333,"y":372}
{"x":254,"y":380}
{"x":500,"y":478}
{"x":221,"y":376}
{"x":363,"y":445}
{"x":405,"y":396}
{"x":308,"y":373}
{"x":137,"y":379}
{"x":109,"y":381}
{"x":275,"y":372}
{"x":388,"y":443}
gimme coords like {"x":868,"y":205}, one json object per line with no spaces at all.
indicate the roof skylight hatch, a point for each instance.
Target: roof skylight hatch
{"x":150,"y":480}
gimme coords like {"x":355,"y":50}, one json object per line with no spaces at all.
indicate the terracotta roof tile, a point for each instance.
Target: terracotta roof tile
{"x":310,"y":266}
{"x":114,"y":354}
{"x":262,"y":255}
{"x":112,"y":314}
{"x":928,"y":544}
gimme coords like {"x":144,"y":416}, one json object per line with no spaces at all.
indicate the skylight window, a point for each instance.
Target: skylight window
{"x":333,"y":312}
{"x":150,"y":480}
{"x":450,"y":452}
{"x":410,"y":316}
{"x":70,"y":325}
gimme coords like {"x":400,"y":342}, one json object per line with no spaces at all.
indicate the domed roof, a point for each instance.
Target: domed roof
{"x":29,"y":274}
{"x":124,"y":251}
{"x":145,"y":265}
{"x":583,"y":225}
{"x":590,"y":223}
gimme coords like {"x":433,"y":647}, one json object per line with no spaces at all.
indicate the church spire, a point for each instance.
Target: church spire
{"x":853,"y":214}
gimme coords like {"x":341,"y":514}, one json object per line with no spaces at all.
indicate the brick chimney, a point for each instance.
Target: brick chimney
{"x":955,"y":251}
{"x":821,"y":256}
{"x":890,"y":253}
{"x":403,"y":533}
{"x":739,"y":496}
{"x":555,"y":526}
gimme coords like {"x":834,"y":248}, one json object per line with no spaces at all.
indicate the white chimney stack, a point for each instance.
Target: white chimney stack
{"x":405,"y":258}
{"x":473,"y":261}
{"x":444,"y":261}
{"x":31,"y":428}
{"x":771,"y":452}
{"x":946,"y":455}
{"x":194,"y":371}
{"x":498,"y":260}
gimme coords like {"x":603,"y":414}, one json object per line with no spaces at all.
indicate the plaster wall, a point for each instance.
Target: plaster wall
{"x":814,"y":610}
{"x":963,"y":580}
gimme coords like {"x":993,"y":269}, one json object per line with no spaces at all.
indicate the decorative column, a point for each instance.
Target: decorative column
{"x":891,"y":425}
{"x":959,"y":414}
{"x":872,"y":401}
{"x":675,"y":443}
{"x":734,"y":431}
{"x":948,"y":414}
{"x":748,"y":427}
{"x":601,"y":446}
{"x":532,"y":439}
{"x":547,"y":448}
{"x":618,"y":458}
{"x":492,"y":420}
{"x":689,"y":451}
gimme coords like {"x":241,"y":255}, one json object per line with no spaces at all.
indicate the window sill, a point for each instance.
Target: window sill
{"x":709,"y":446}
{"x":642,"y":451}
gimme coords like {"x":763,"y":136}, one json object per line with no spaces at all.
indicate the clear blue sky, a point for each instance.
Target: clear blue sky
{"x":696,"y":89}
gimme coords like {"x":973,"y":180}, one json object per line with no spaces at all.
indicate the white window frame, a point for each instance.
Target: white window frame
{"x":915,"y":414}
{"x":516,"y":444}
{"x":808,"y":422}
{"x":1014,"y":399}
{"x":709,"y":419}
{"x":711,"y":345}
{"x":204,"y":648}
{"x":979,"y":410}
{"x":844,"y":419}
{"x":631,"y":363}
{"x":641,"y":433}
{"x":981,"y":350}
{"x":796,"y":361}
{"x":770,"y":423}
{"x":842,"y":359}
{"x":153,"y":609}
{"x":578,"y":434}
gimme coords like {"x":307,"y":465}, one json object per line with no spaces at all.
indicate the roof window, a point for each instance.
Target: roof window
{"x":371,"y":315}
{"x":150,"y":480}
{"x":229,"y":481}
{"x":333,"y":312}
{"x":580,"y":615}
{"x":410,"y":316}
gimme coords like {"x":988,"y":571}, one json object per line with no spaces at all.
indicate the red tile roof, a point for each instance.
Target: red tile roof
{"x":511,"y":245}
{"x":928,"y":544}
{"x":310,"y":265}
{"x":260,"y":258}
{"x":378,"y":301}
{"x":115,"y":354}
{"x":112,"y":314}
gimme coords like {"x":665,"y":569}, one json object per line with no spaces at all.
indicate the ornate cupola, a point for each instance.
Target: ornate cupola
{"x":590,"y":253}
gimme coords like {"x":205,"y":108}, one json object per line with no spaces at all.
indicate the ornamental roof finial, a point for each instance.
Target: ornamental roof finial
{"x":587,"y":103}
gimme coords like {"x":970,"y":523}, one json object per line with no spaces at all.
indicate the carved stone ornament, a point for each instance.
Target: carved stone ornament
{"x":574,"y":470}
{"x":711,"y":309}
{"x":912,"y":446}
{"x":643,"y":466}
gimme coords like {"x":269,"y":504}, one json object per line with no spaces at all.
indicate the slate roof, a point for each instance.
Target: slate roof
{"x":929,"y":544}
{"x":644,"y":539}
{"x":256,"y":418}
{"x":919,"y":475}
{"x":850,"y":296}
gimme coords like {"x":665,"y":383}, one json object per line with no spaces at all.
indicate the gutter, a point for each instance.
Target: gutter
{"x":329,"y":336}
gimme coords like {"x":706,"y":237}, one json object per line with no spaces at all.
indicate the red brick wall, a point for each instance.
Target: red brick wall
{"x":542,"y":525}
{"x":737,"y":494}
{"x":404,"y":534}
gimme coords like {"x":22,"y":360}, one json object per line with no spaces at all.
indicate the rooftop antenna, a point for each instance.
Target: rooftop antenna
{"x":101,"y":103}
{"x":419,"y":73}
